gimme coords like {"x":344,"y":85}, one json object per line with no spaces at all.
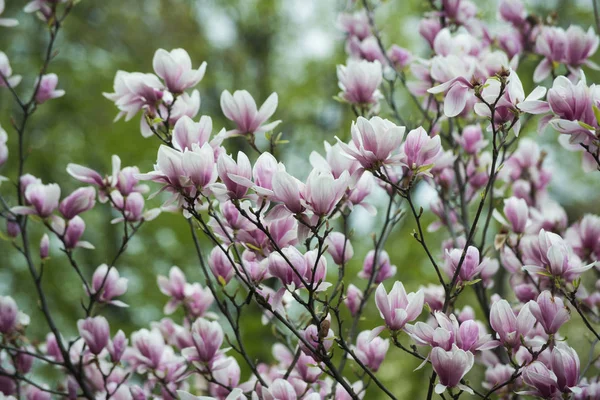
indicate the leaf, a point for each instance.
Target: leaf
{"x":596,"y":112}
{"x":585,"y":126}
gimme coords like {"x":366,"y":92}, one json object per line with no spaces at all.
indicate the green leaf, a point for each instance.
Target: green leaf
{"x":586,"y":126}
{"x":596,"y":112}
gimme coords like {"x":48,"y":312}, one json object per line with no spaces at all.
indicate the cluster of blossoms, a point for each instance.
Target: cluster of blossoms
{"x":284,"y":245}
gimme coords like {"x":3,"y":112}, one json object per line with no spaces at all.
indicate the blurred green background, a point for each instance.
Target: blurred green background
{"x":287,"y":46}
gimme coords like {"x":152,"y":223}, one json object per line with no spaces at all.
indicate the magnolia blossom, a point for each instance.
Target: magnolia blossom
{"x":511,"y":328}
{"x":241,"y":109}
{"x":373,"y":142}
{"x":572,"y":47}
{"x":420,"y":149}
{"x":46,"y":88}
{"x":175,"y":68}
{"x":6,"y":76}
{"x":207,"y":338}
{"x":95,"y":332}
{"x":509,"y":102}
{"x":43,"y":199}
{"x":451,"y":366}
{"x":397,"y":308}
{"x":549,"y":311}
{"x":359,"y":82}
{"x":551,"y":254}
{"x":371,"y":351}
{"x":108,"y":284}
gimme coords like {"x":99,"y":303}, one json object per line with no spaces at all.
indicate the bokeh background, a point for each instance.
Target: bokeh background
{"x":288,"y":46}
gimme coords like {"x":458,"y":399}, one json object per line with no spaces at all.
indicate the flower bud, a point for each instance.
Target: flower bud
{"x":8,"y":314}
{"x":81,"y":200}
{"x":73,"y":232}
{"x":220,"y":265}
{"x":44,"y":246}
{"x":339,"y":247}
{"x":117,"y":346}
{"x":95,"y":332}
{"x":517,"y":213}
{"x":354,"y":297}
{"x":47,"y":88}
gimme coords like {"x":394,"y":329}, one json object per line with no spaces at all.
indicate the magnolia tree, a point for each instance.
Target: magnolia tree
{"x":283,"y":244}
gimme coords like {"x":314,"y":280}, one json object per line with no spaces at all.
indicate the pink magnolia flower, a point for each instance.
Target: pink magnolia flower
{"x":147,"y":351}
{"x":6,"y":76}
{"x":472,"y":140}
{"x":322,"y":191}
{"x":207,"y":337}
{"x":420,"y":149}
{"x":451,"y":366}
{"x":509,"y":327}
{"x":512,"y":11}
{"x":584,"y":237}
{"x":241,"y":109}
{"x":72,"y":232}
{"x":108,"y":284}
{"x":572,"y":106}
{"x":44,"y":246}
{"x":220,"y":265}
{"x":359,"y":81}
{"x":236,"y":176}
{"x":373,"y":142}
{"x":565,"y":365}
{"x":289,"y":267}
{"x":7,"y":22}
{"x":356,"y":24}
{"x":80,"y":201}
{"x":580,"y":46}
{"x":399,"y":56}
{"x":371,"y":351}
{"x":95,"y":332}
{"x":552,"y":44}
{"x":117,"y":346}
{"x":510,"y":102}
{"x":541,"y":379}
{"x":517,"y":212}
{"x":186,"y":132}
{"x":174,"y":287}
{"x":319,"y":340}
{"x":551,"y":254}
{"x":397,"y":308}
{"x":8,"y":314}
{"x":549,"y":311}
{"x":457,"y":92}
{"x":354,"y":297}
{"x":197,"y":299}
{"x":42,"y":198}
{"x":384,"y":268}
{"x":429,"y":28}
{"x":339,"y":247}
{"x":134,"y":91}
{"x":47,"y":88}
{"x":470,"y":267}
{"x":287,"y":190}
{"x":175,"y":68}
